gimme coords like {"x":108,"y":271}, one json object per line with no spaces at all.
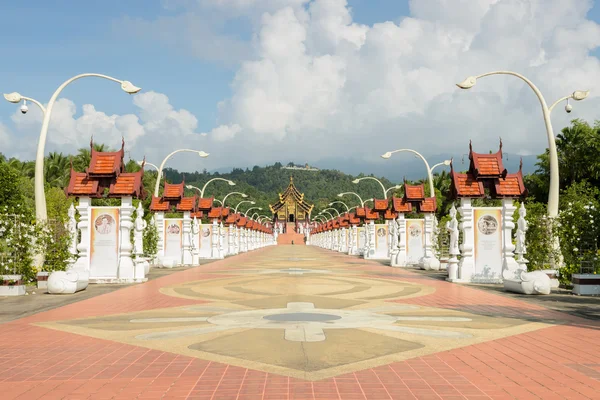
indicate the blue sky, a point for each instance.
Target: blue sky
{"x":50,"y":41}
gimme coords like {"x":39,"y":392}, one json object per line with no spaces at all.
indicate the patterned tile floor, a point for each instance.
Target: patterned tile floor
{"x":380,"y":333}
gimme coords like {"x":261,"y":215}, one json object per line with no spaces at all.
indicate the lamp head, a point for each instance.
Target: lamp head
{"x":260,"y":208}
{"x":447,"y":162}
{"x":397,"y":186}
{"x":356,"y":181}
{"x":129,"y":87}
{"x":387,"y":155}
{"x":244,"y":195}
{"x":13,"y":97}
{"x":231,"y":183}
{"x":252,"y":202}
{"x":203,"y":154}
{"x":340,"y":195}
{"x":577,"y":95}
{"x":189,"y":186}
{"x":141,"y":162}
{"x":467,"y":83}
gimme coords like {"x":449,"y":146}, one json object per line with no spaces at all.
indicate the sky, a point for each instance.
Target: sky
{"x":332,"y":83}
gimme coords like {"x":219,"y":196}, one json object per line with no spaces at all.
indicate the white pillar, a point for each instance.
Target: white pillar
{"x":430,"y":260}
{"x":370,"y":236}
{"x":452,"y":227}
{"x":160,"y":228}
{"x":231,"y":241}
{"x":196,"y":229}
{"x":187,"y":239}
{"x":214,"y":240}
{"x":126,"y":268}
{"x":221,"y":241}
{"x":467,"y":261}
{"x":83,"y":260}
{"x":399,"y":254}
{"x":510,"y":267}
{"x":72,"y":229}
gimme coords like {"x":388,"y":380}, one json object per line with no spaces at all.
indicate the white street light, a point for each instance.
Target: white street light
{"x":147,"y":163}
{"x":40,"y":196}
{"x":331,"y":208}
{"x":242,"y":202}
{"x":244,"y":195}
{"x":340,"y":202}
{"x":162,"y":165}
{"x":231,"y":183}
{"x":429,"y":177}
{"x":445,"y":162}
{"x":330,"y":214}
{"x":393,"y":187}
{"x":362,"y":203}
{"x":251,"y":208}
{"x":373,"y":179}
{"x":554,"y":190}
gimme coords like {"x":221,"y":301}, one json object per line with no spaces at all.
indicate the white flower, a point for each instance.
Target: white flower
{"x":575,"y":249}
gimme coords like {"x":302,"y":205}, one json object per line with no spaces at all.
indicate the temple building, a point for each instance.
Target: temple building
{"x":291,"y":206}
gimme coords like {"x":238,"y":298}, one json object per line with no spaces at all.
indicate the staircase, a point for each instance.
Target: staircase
{"x":290,"y":235}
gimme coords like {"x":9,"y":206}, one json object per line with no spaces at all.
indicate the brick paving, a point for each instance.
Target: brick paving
{"x":560,"y":361}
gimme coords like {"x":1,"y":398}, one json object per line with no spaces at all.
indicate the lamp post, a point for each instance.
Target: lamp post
{"x":554,"y":190}
{"x":140,"y":163}
{"x":445,"y":162}
{"x":429,"y":177}
{"x":244,"y":195}
{"x":231,"y":183}
{"x":251,"y":208}
{"x":331,"y":208}
{"x":242,"y":202}
{"x":162,"y":165}
{"x":340,"y":202}
{"x":40,"y":196}
{"x":393,"y":187}
{"x":330,"y":214}
{"x":373,"y":179}
{"x":362,"y":203}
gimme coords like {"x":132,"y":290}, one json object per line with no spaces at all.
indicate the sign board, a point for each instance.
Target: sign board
{"x":488,"y":244}
{"x":205,"y":241}
{"x":173,"y":239}
{"x":361,"y":232}
{"x":104,"y":242}
{"x":415,"y":240}
{"x":381,"y":241}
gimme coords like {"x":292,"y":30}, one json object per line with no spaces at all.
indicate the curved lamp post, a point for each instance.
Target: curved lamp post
{"x":330,"y":214}
{"x":40,"y":196}
{"x":578,"y":95}
{"x":429,"y":177}
{"x":162,"y":165}
{"x":393,"y":187}
{"x":373,"y":179}
{"x":331,"y":208}
{"x":251,"y":208}
{"x":231,"y":183}
{"x":242,"y":202}
{"x":147,"y":163}
{"x":244,"y":195}
{"x":340,"y":202}
{"x":362,"y":203}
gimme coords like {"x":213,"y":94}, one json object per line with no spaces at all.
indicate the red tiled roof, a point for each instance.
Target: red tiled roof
{"x":80,"y":185}
{"x":353,"y":219}
{"x":399,"y":204}
{"x":428,"y":205}
{"x":173,"y":190}
{"x":187,"y":204}
{"x":414,"y":192}
{"x":380,"y":205}
{"x":465,"y":185}
{"x":486,"y":165}
{"x":197,"y":214}
{"x":512,"y":186}
{"x":242,"y":222}
{"x":205,"y":204}
{"x":158,"y":204}
{"x":128,"y":184}
{"x":225,"y":211}
{"x":215,"y":212}
{"x":389,"y":214}
{"x":232,"y":218}
{"x":360,"y":212}
{"x":371,"y":214}
{"x":105,"y":164}
{"x":249,"y":223}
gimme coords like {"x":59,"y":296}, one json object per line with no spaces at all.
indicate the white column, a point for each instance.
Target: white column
{"x":467,"y":261}
{"x":160,"y":228}
{"x":214,"y":240}
{"x":370,"y":232}
{"x":72,"y":229}
{"x":196,"y":229}
{"x":187,"y":239}
{"x":452,"y":227}
{"x":83,"y":261}
{"x":231,"y":241}
{"x":399,"y":254}
{"x":126,"y":268}
{"x":510,"y":267}
{"x":430,"y":260}
{"x":221,"y":241}
{"x":344,"y":241}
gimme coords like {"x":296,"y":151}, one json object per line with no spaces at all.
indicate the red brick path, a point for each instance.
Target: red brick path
{"x":558,"y":362}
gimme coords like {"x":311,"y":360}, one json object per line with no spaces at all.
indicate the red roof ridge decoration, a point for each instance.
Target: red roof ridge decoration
{"x":105,"y":172}
{"x":477,"y":179}
{"x":486,"y":165}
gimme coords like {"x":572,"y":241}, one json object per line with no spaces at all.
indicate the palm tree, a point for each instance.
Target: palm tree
{"x":83,"y":158}
{"x":56,"y":170}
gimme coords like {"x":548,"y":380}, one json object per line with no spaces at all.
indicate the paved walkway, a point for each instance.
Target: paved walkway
{"x":297,"y":322}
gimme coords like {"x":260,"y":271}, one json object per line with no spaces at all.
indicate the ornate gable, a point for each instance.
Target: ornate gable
{"x":486,"y":165}
{"x":291,"y":197}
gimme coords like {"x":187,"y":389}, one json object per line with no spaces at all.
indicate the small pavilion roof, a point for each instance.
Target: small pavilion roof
{"x":187,"y":204}
{"x":81,"y":185}
{"x":414,"y":192}
{"x":205,"y":204}
{"x":465,"y":184}
{"x":105,"y":164}
{"x":486,"y":165}
{"x":380,"y":205}
{"x":158,"y":204}
{"x":512,"y":185}
{"x":389,"y":214}
{"x":128,"y":184}
{"x":173,"y":191}
{"x":400,"y":205}
{"x":428,"y":205}
{"x":371,"y":214}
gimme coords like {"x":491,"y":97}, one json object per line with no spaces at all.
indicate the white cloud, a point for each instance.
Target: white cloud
{"x":314,"y":84}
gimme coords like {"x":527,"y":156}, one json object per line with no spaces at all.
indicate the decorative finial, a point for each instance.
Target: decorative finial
{"x":122,"y":143}
{"x":521,"y":164}
{"x":91,"y":142}
{"x":470,"y":146}
{"x":500,"y":146}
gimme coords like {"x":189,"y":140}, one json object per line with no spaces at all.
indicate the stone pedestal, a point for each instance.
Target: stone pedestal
{"x":370,"y":236}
